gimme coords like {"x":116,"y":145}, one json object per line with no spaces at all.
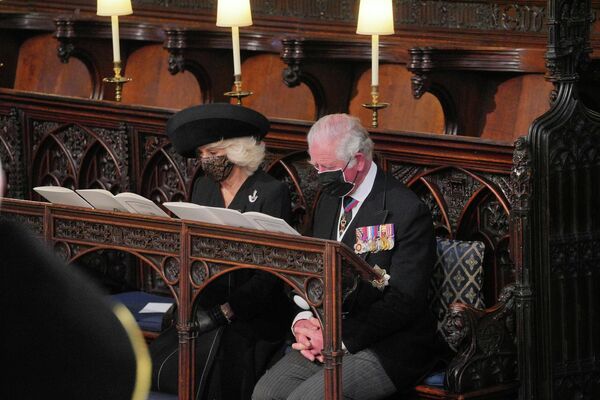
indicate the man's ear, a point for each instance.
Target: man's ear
{"x":360,"y":161}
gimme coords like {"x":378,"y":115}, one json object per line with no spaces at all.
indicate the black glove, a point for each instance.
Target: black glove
{"x":207,"y":320}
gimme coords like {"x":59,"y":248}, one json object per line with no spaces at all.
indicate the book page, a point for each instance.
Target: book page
{"x":232,"y":217}
{"x":193,"y":212}
{"x":102,"y":199}
{"x":140,"y":205}
{"x":269,"y":223}
{"x":61,"y":195}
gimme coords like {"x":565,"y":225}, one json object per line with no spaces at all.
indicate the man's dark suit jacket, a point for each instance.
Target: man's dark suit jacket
{"x":60,"y":337}
{"x":395,"y":324}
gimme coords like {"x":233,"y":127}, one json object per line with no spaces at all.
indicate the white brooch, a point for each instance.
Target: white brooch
{"x":383,"y":280}
{"x":253,"y":197}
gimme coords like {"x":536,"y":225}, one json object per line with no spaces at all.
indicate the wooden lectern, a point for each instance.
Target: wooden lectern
{"x":189,"y":255}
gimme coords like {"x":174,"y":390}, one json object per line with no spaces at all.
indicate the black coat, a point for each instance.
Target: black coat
{"x":60,"y":338}
{"x":396,"y":323}
{"x":250,"y":293}
{"x":262,"y":311}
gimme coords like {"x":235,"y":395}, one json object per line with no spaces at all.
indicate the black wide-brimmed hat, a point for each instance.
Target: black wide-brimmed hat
{"x":197,"y":126}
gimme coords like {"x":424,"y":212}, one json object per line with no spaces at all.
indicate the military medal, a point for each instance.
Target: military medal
{"x":374,"y":238}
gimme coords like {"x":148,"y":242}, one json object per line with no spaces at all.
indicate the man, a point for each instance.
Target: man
{"x":60,"y":338}
{"x":388,"y":334}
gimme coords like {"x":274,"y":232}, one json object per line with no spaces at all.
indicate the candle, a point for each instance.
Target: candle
{"x":375,"y":17}
{"x":235,"y":39}
{"x":374,"y":60}
{"x":114,"y":19}
{"x":233,"y":14}
{"x":114,"y":8}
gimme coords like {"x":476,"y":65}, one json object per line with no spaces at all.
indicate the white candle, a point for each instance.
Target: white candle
{"x":235,"y":38}
{"x":374,"y":60}
{"x":114,"y":19}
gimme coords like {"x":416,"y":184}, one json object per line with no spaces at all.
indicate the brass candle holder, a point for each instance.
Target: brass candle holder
{"x":118,"y":80}
{"x":375,"y":105}
{"x":238,"y":93}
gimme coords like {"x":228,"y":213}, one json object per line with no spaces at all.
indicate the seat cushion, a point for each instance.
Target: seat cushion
{"x":136,"y":301}
{"x":435,"y":379}
{"x":161,"y":396}
{"x":457,"y":276}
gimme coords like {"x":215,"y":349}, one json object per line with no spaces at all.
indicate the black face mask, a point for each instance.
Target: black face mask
{"x":218,"y":168}
{"x":334,"y":184}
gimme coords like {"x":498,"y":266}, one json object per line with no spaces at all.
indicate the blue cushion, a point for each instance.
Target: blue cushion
{"x":457,"y":276}
{"x":135,"y":301}
{"x":161,"y":396}
{"x":435,"y":379}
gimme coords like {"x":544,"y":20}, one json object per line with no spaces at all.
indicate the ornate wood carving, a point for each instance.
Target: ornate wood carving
{"x":253,"y":254}
{"x":520,"y":197}
{"x":467,"y":206}
{"x":33,"y":222}
{"x":11,"y":154}
{"x":114,"y":270}
{"x":301,"y":178}
{"x":110,"y":234}
{"x":485,"y":342}
{"x":562,"y":223}
{"x":75,"y":156}
{"x":165,"y":175}
{"x":487,"y":16}
{"x":405,"y":172}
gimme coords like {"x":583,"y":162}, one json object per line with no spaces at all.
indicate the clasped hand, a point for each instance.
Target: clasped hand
{"x":309,"y":339}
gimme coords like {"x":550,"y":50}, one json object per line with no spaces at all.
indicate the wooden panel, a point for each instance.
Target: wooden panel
{"x":262,"y":75}
{"x":40,"y":70}
{"x":8,"y":59}
{"x":517,"y":102}
{"x":405,"y":113}
{"x":152,"y":83}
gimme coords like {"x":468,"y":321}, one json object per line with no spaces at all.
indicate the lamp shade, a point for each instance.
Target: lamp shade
{"x":114,"y":7}
{"x":234,"y":13}
{"x":375,"y":17}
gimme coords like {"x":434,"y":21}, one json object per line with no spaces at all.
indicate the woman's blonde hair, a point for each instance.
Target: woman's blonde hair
{"x":245,"y":152}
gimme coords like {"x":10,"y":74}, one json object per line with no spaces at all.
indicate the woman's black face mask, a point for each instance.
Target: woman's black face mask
{"x":334,"y":184}
{"x":218,"y":167}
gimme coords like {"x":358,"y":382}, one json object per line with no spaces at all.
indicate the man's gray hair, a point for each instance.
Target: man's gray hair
{"x":245,"y":152}
{"x":347,"y":131}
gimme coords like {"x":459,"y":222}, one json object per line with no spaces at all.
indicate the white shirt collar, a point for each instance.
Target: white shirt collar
{"x":359,"y":194}
{"x":363,"y":190}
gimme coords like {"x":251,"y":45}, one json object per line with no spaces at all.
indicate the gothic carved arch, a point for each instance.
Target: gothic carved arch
{"x":117,"y":263}
{"x":74,"y":156}
{"x":467,"y":206}
{"x":301,"y":178}
{"x":166,"y":176}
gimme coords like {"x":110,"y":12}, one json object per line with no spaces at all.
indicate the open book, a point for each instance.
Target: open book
{"x":127,"y":201}
{"x":61,"y":195}
{"x":101,"y":199}
{"x":230,"y":217}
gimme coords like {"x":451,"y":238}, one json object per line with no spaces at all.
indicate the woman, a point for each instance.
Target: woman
{"x":242,"y":317}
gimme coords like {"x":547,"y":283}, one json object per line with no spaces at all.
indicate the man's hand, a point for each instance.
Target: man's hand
{"x":309,"y":339}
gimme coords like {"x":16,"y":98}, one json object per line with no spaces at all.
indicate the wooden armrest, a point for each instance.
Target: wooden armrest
{"x":485,"y":344}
